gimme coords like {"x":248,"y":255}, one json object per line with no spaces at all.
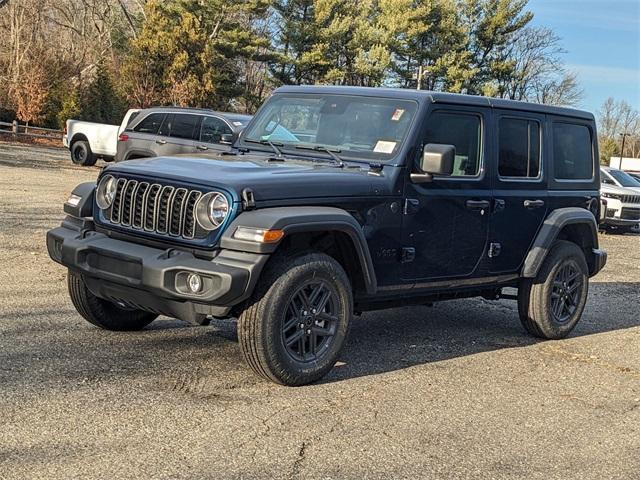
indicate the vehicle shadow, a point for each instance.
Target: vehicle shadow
{"x":400,"y":338}
{"x":206,"y":361}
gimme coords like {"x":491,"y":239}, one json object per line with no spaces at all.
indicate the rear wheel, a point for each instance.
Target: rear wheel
{"x":104,"y":314}
{"x":297,"y":321}
{"x":551,"y":305}
{"x":81,"y":153}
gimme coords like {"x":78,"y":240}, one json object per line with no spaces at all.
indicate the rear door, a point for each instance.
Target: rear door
{"x":520,"y":188}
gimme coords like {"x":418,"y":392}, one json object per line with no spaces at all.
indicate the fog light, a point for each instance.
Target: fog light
{"x":194,"y":282}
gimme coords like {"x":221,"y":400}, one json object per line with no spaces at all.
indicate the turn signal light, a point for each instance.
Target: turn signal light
{"x":259,"y":235}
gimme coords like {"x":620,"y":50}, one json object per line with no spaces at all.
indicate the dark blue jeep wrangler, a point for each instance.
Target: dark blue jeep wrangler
{"x":338,"y":200}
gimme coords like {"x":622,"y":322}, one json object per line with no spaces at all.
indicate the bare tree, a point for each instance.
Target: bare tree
{"x":538,"y":73}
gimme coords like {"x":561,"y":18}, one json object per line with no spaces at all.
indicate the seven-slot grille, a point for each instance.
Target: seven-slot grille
{"x":155,"y":208}
{"x":630,"y":198}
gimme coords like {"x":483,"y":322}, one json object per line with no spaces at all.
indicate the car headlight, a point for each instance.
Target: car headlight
{"x":106,"y":192}
{"x":611,"y":195}
{"x":212,"y":210}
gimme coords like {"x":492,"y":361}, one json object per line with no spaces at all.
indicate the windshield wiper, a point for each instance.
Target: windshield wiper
{"x":333,"y":153}
{"x":274,"y":146}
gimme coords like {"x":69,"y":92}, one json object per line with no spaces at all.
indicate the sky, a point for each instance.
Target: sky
{"x":602,"y":40}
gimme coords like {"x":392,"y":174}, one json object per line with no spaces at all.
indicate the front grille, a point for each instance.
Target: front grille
{"x":630,"y":214}
{"x":155,"y":208}
{"x":630,"y":198}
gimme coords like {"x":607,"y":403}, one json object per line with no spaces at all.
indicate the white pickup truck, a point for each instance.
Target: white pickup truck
{"x":88,"y":141}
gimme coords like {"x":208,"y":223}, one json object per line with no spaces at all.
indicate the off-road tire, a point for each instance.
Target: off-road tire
{"x":535,"y":295}
{"x":262,"y":323}
{"x":102,"y":313}
{"x":81,"y":153}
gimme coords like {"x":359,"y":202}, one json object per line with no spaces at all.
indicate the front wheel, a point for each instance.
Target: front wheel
{"x":551,"y":305}
{"x":294,"y":327}
{"x":104,"y":314}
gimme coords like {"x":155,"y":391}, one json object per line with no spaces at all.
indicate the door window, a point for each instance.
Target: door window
{"x":572,"y":152}
{"x":180,"y":126}
{"x":519,"y":148}
{"x":150,"y":124}
{"x":212,"y":130}
{"x":463,"y":131}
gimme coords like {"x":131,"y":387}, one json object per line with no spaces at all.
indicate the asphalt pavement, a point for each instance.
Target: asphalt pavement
{"x":457,"y":390}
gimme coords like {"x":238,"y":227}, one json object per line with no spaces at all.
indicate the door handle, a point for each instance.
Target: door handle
{"x":533,"y":203}
{"x":202,"y":147}
{"x":477,"y":204}
{"x":161,"y":142}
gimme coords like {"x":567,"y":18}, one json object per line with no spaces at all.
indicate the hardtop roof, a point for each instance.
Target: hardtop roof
{"x":438,"y":97}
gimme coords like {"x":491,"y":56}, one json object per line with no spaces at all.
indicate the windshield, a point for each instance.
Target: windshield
{"x":368,"y":128}
{"x":624,"y":179}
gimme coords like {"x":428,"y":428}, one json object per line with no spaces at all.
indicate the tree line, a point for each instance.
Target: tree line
{"x":93,"y":59}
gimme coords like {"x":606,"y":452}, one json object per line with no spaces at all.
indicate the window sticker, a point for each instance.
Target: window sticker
{"x":384,"y":146}
{"x":397,"y":115}
{"x":237,"y":124}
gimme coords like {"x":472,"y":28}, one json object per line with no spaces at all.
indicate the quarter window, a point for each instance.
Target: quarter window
{"x":461,"y":130}
{"x":519,"y":148}
{"x":212,"y":130}
{"x":572,"y":152}
{"x":150,"y":124}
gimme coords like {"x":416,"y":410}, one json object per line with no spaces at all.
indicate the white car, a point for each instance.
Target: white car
{"x":88,"y":141}
{"x":622,"y":193}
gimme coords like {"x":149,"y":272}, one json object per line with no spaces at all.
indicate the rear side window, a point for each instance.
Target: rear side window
{"x":519,"y":147}
{"x":572,"y":152}
{"x":212,"y":130}
{"x":150,"y":124}
{"x":462,"y":130}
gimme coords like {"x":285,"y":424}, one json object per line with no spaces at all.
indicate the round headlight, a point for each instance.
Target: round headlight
{"x":212,"y":210}
{"x":106,"y":192}
{"x":218,"y":209}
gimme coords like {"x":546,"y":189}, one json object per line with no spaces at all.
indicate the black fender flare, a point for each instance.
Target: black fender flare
{"x":84,"y":208}
{"x":548,"y":233}
{"x":302,"y":220}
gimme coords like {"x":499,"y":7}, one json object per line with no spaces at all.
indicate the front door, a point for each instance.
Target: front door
{"x":178,"y":134}
{"x":446,"y":221}
{"x":520,"y":188}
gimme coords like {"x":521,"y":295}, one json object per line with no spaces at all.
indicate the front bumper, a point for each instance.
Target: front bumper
{"x":152,"y":279}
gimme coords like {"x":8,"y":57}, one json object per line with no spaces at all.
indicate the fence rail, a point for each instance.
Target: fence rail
{"x":15,"y":129}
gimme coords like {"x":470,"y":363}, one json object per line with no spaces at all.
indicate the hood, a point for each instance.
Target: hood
{"x":269,"y":180}
{"x":615,"y":189}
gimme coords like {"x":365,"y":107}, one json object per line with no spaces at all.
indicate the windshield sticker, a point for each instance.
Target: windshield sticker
{"x":397,"y":115}
{"x":237,"y":124}
{"x":384,"y":146}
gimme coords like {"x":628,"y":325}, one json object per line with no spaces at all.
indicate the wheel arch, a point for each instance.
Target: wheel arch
{"x":78,"y":137}
{"x":327,"y":229}
{"x":574,"y":224}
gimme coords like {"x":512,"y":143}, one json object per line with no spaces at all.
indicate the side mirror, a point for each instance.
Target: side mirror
{"x":608,"y":181}
{"x":437,"y":159}
{"x":226,"y":139}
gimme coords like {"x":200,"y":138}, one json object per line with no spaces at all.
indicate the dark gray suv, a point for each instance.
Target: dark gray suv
{"x":169,"y":131}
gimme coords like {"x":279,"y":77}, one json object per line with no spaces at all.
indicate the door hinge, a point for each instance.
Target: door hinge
{"x":411,"y":206}
{"x":408,"y":254}
{"x":248,"y":200}
{"x":494,"y":249}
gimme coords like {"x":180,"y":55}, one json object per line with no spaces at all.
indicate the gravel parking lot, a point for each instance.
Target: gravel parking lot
{"x":453,"y":391}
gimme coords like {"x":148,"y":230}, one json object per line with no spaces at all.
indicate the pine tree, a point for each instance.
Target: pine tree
{"x":189,"y":52}
{"x":102,"y":103}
